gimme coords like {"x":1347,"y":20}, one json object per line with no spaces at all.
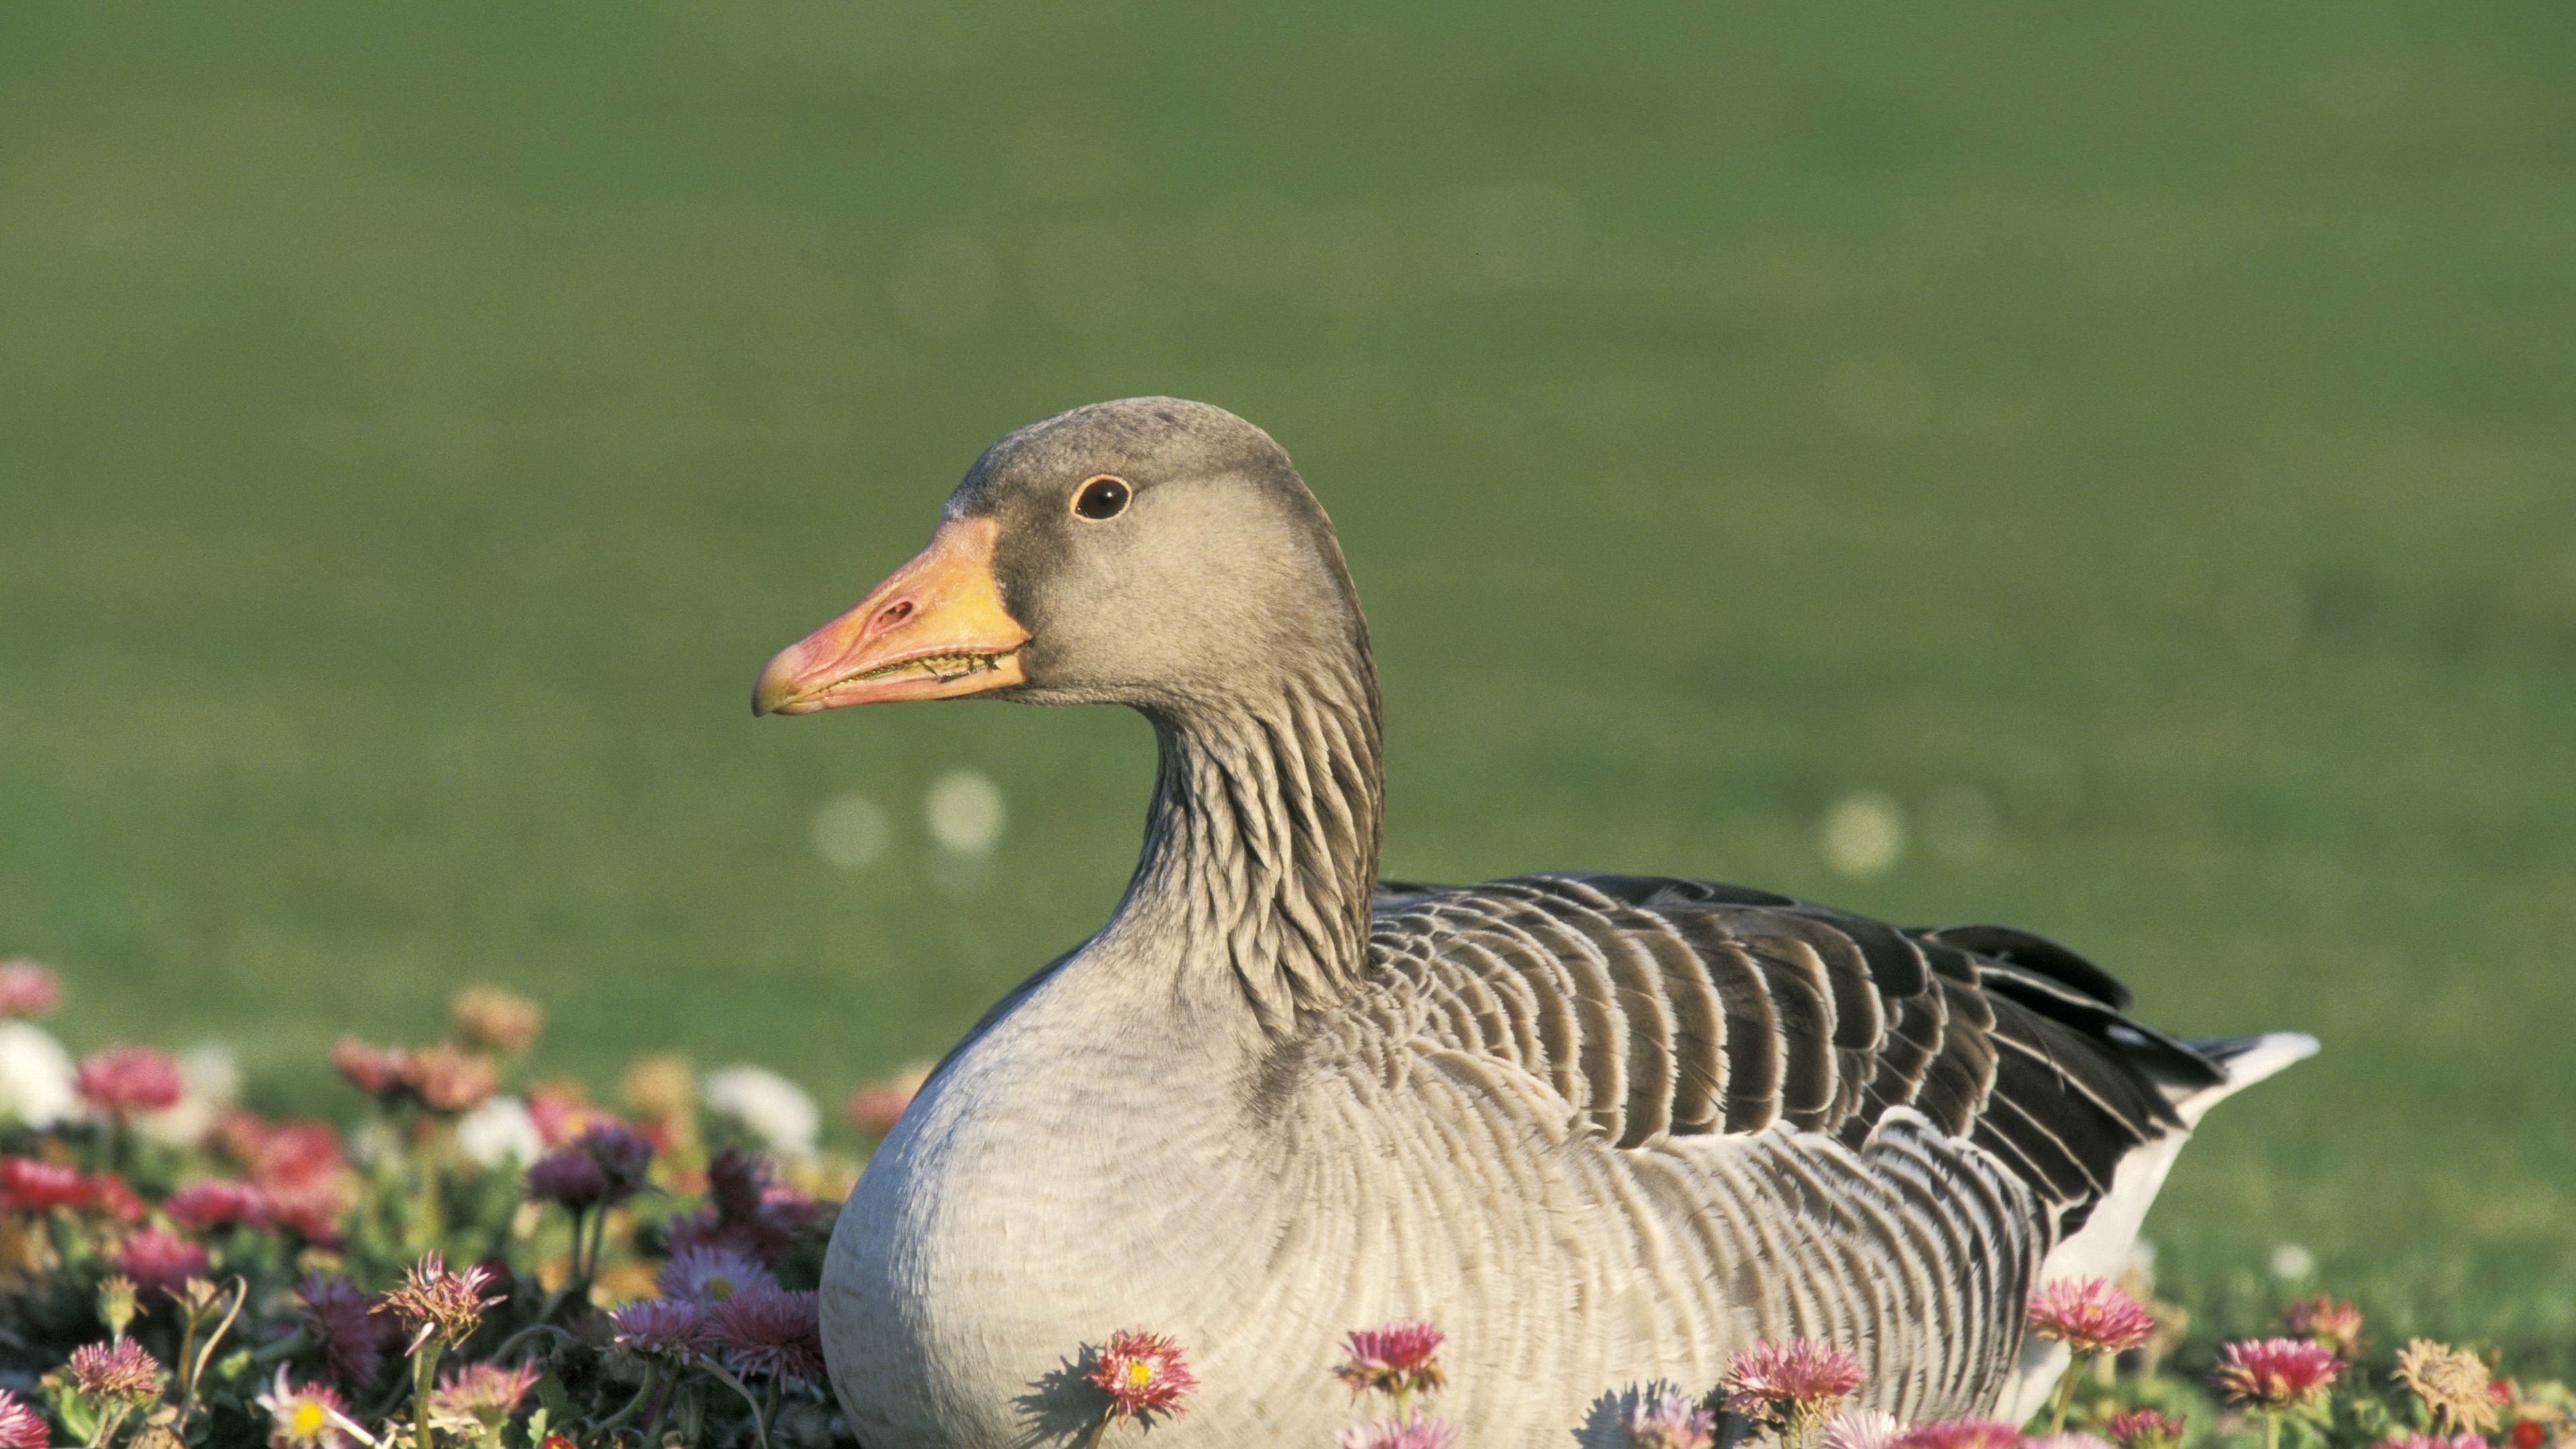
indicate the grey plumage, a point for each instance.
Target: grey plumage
{"x":1603,"y":1129}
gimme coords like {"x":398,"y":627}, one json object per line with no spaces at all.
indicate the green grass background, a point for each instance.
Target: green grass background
{"x":418,"y":423}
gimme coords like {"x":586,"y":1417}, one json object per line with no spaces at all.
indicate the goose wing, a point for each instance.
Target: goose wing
{"x":1675,"y":1007}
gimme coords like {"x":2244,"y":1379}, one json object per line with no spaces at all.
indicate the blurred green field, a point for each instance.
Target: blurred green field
{"x":2141,"y":443}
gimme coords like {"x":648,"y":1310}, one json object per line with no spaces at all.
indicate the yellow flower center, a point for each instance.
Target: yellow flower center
{"x":1139,"y":1375}
{"x":305,"y":1420}
{"x":718,"y":1289}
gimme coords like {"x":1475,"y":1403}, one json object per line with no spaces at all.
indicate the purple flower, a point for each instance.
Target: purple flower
{"x":1415,"y":1432}
{"x":672,"y":1328}
{"x":708,"y":1276}
{"x":768,"y":1330}
{"x":343,"y":1322}
{"x":1668,"y":1418}
{"x":568,"y":1176}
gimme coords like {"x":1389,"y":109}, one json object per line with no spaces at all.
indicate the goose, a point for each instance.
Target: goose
{"x":1604,"y":1129}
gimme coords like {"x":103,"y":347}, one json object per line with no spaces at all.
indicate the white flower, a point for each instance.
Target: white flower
{"x":776,"y":1110}
{"x":1862,"y":1429}
{"x":210,"y":1080}
{"x":35,"y":1076}
{"x":498,"y":1133}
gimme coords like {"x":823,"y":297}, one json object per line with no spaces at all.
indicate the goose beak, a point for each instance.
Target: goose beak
{"x":935,"y":630}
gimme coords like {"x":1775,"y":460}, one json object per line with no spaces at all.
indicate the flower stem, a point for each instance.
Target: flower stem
{"x":1099,"y":1431}
{"x":424,"y":1377}
{"x":2271,"y":1431}
{"x":2065,"y":1392}
{"x":759,"y":1425}
{"x":652,"y":1381}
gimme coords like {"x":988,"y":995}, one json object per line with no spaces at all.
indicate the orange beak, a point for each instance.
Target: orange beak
{"x":935,"y":630}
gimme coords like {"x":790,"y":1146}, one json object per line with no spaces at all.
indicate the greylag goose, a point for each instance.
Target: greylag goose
{"x":1604,"y":1129}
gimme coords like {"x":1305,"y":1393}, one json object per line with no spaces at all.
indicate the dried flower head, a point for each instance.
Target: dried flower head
{"x":120,"y":1372}
{"x":448,"y":1079}
{"x":1961,"y":1434}
{"x":1143,"y":1374}
{"x":485,"y":1393}
{"x":2452,"y":1382}
{"x":122,"y":1082}
{"x":2433,"y":1441}
{"x":215,"y":1204}
{"x":27,"y":989}
{"x":1863,"y":1429}
{"x":21,"y":1427}
{"x":435,"y":1303}
{"x":32,"y":1185}
{"x":710,"y":1275}
{"x":670,"y":1328}
{"x":1670,"y":1418}
{"x":495,"y":1020}
{"x":343,"y":1322}
{"x":2273,"y":1374}
{"x":662,"y":1086}
{"x":159,"y":1260}
{"x":2146,"y":1429}
{"x":1401,"y":1358}
{"x":2090,"y":1316}
{"x":1413,"y":1432}
{"x":1797,"y":1379}
{"x":309,"y":1416}
{"x":2327,"y":1323}
{"x":116,"y":1303}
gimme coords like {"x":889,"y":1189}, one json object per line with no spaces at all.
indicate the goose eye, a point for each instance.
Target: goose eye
{"x":1101,"y":497}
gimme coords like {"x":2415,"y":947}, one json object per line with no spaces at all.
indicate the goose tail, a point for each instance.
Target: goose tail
{"x":2242,"y":1061}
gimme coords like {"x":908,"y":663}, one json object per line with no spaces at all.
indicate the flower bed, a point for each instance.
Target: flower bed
{"x":489,"y":1263}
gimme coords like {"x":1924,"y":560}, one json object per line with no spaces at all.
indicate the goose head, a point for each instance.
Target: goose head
{"x":1151,"y":552}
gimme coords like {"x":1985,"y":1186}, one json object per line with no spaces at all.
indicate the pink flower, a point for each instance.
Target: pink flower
{"x":27,"y":989}
{"x":1796,"y":1379}
{"x":876,"y":1107}
{"x":2274,"y":1374}
{"x":444,"y":1078}
{"x":434,"y":1302}
{"x":1401,"y":1358}
{"x":1143,"y":1374}
{"x":1961,"y":1434}
{"x":2090,"y":1316}
{"x":1863,"y":1429}
{"x":126,"y":1081}
{"x":1415,"y":1432}
{"x":109,"y":1197}
{"x":31,"y":1185}
{"x":120,"y":1372}
{"x":2462,"y":1440}
{"x":21,"y":1427}
{"x":339,"y":1318}
{"x":568,"y":1177}
{"x":2146,"y":1429}
{"x":2327,"y":1322}
{"x":769,"y":1330}
{"x":159,"y":1258}
{"x":710,"y":1275}
{"x":486,"y":1393}
{"x":1667,"y":1418}
{"x":670,"y":1328}
{"x":204,"y":1207}
{"x":310,"y":1417}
